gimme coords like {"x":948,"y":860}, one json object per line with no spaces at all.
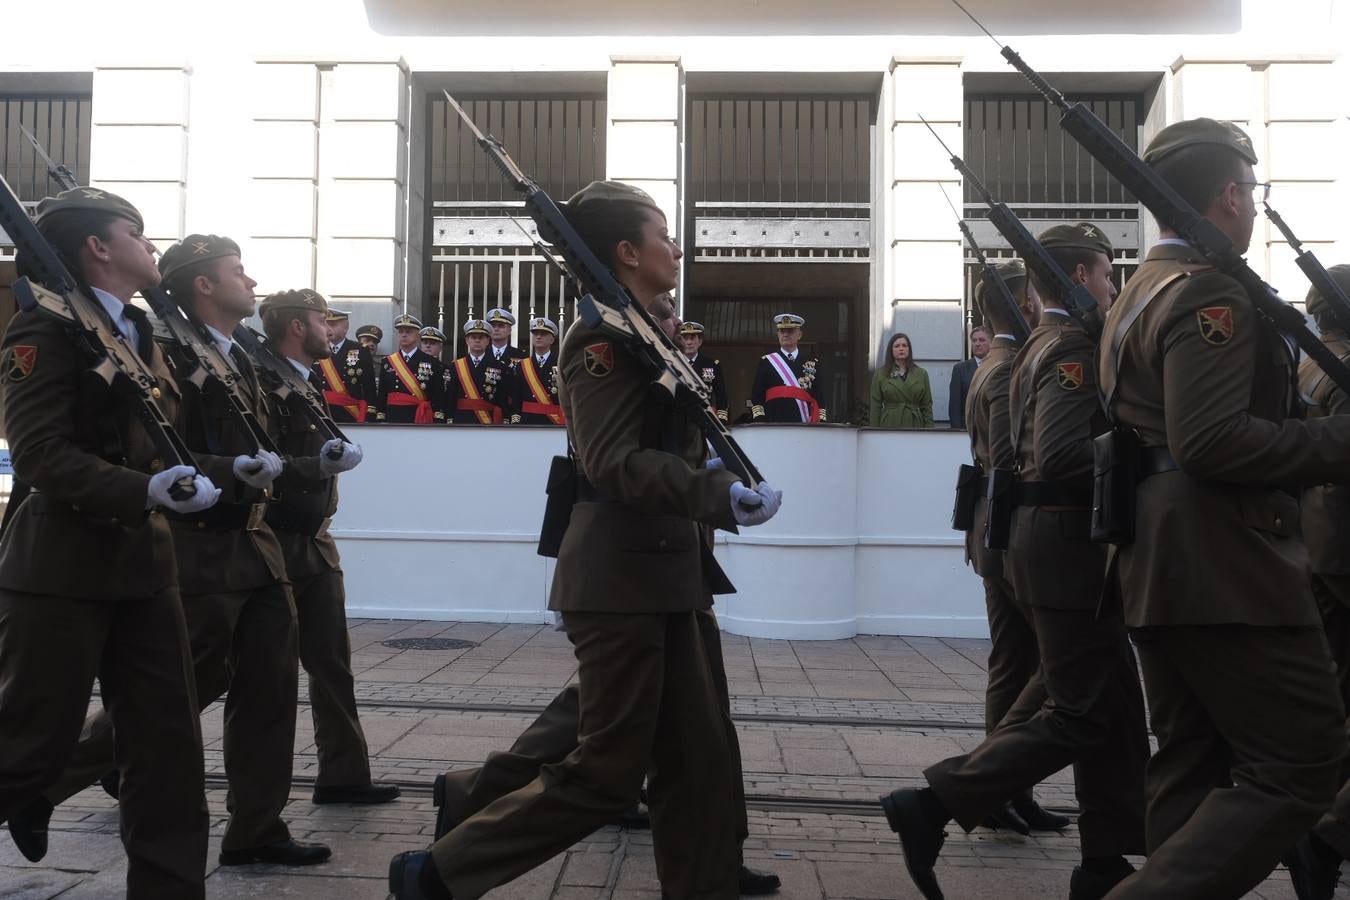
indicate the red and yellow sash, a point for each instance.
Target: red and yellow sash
{"x":784,"y":392}
{"x":425,"y":415}
{"x":336,"y":394}
{"x":487,"y":413}
{"x":543,"y":404}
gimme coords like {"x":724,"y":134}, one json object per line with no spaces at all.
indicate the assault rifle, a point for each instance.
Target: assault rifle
{"x":49,"y":289}
{"x":1175,"y":214}
{"x":210,"y":365}
{"x":289,"y":381}
{"x":1314,"y":270}
{"x":993,"y":282}
{"x":609,"y":308}
{"x":1074,"y":297}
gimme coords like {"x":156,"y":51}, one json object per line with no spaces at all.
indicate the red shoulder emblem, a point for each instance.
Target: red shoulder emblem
{"x":18,"y":363}
{"x":1216,"y":324}
{"x":1070,"y":375}
{"x":599,"y":359}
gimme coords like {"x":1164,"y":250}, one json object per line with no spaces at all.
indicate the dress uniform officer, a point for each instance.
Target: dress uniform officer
{"x":305,"y":499}
{"x":432,"y":341}
{"x":87,"y":579}
{"x":1215,"y":589}
{"x":1094,"y":717}
{"x":709,"y":369}
{"x":538,"y":376}
{"x":1013,"y":656}
{"x":232,"y":574}
{"x":480,"y":388}
{"x":644,"y":669}
{"x":348,"y":373}
{"x":369,"y":336}
{"x":1326,"y":530}
{"x":412,"y":381}
{"x":500,"y":322}
{"x":786,"y":385}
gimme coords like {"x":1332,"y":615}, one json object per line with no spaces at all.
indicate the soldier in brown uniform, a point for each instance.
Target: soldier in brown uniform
{"x":1013,"y":656}
{"x":305,"y":498}
{"x":232,"y":575}
{"x":1316,"y":862}
{"x":1241,"y":686}
{"x":1094,"y":716}
{"x":87,"y":579}
{"x":635,"y":567}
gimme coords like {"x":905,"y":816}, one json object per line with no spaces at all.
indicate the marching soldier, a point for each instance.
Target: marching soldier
{"x":232,"y":574}
{"x":480,"y":388}
{"x":501,"y":321}
{"x":1094,"y":717}
{"x":412,"y":381}
{"x":537,"y":373}
{"x":432,"y":341}
{"x":369,"y":336}
{"x":709,"y":369}
{"x":786,"y":385}
{"x":303,"y":506}
{"x":348,"y":372}
{"x":87,"y":579}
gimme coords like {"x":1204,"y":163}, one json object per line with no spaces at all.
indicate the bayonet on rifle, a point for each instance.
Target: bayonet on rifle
{"x":1316,"y":273}
{"x":993,"y":282}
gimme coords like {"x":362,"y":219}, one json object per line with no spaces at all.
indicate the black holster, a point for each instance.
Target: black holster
{"x":1115,"y":477}
{"x":1002,"y":498}
{"x":967,"y":495}
{"x":562,"y":496}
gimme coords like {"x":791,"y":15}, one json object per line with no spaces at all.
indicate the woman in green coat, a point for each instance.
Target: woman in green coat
{"x":901,"y":396}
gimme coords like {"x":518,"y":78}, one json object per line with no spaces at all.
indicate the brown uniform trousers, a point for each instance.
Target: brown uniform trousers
{"x":634,"y":569}
{"x":241,"y":622}
{"x":87,"y":588}
{"x":1241,"y":687}
{"x":1094,"y":718}
{"x":1326,"y":530}
{"x":305,"y":502}
{"x":1013,"y":657}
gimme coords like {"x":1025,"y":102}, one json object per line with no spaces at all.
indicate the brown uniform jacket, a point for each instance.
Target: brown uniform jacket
{"x":1055,"y":414}
{"x":212,"y":559}
{"x":1199,"y":373}
{"x":641,"y":548}
{"x":990,"y":443}
{"x":1326,"y":507}
{"x":84,"y":531}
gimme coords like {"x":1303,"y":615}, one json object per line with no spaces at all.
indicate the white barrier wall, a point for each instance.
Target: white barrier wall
{"x":441,"y":523}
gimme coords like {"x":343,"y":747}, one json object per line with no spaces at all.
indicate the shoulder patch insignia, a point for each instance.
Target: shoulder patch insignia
{"x":18,"y":363}
{"x":599,"y":359}
{"x":1216,"y":324}
{"x":1069,"y":375}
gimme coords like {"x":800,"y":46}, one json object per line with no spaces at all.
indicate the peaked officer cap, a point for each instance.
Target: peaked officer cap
{"x":543,"y":323}
{"x":432,"y":333}
{"x":500,"y":316}
{"x":374,"y":331}
{"x":338,"y":315}
{"x":407,"y":321}
{"x":477,"y":326}
{"x":691,"y":328}
{"x":784,"y":321}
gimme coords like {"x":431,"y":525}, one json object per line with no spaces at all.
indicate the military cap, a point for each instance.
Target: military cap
{"x":612,"y":192}
{"x":88,"y":199}
{"x":1317,"y":304}
{"x":499,"y":316}
{"x":1199,"y":131}
{"x":303,"y":298}
{"x":193,"y":249}
{"x":1009,"y":271}
{"x":477,"y":326}
{"x":407,"y":321}
{"x":543,"y":323}
{"x":1079,"y":236}
{"x":432,"y":333}
{"x":373,"y":331}
{"x":338,"y":315}
{"x":691,"y":328}
{"x":784,"y":321}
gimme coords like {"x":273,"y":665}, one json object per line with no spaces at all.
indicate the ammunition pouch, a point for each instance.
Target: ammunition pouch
{"x":562,"y":490}
{"x":1002,"y":500}
{"x":970,"y":486}
{"x":1119,"y":464}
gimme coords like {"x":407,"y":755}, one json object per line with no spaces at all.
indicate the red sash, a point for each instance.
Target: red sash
{"x":542,"y":404}
{"x":425,"y":415}
{"x":783,"y":392}
{"x":487,"y":413}
{"x":337,"y":394}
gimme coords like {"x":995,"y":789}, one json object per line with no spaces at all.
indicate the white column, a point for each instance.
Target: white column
{"x":925,"y":256}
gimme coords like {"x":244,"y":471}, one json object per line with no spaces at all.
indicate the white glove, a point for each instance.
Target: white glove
{"x":350,"y":458}
{"x":754,"y":507}
{"x":161,"y":483}
{"x":258,"y":471}
{"x":714,"y":463}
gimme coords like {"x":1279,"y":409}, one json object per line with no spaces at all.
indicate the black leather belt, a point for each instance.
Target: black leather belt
{"x":226,"y":517}
{"x":1155,"y":461}
{"x":1053,"y":493}
{"x":283,"y":518}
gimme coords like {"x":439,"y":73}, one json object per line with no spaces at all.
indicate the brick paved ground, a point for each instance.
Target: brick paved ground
{"x":836,"y":722}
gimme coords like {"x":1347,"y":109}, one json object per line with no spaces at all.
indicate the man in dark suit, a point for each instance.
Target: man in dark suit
{"x":963,"y":373}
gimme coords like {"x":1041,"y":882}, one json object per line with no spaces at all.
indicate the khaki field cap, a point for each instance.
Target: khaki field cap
{"x":88,"y":199}
{"x":193,"y":249}
{"x":1010,"y":271}
{"x":1316,"y":302}
{"x":303,"y":298}
{"x":1080,"y":236}
{"x":1199,"y":131}
{"x":374,"y":331}
{"x":612,"y":192}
